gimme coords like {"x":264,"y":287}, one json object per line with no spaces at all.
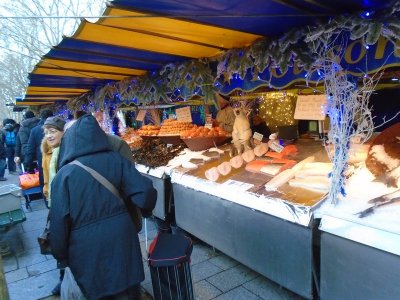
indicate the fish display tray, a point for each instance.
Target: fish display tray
{"x":204,"y":143}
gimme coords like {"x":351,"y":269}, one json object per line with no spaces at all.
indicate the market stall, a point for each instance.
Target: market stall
{"x":263,"y":212}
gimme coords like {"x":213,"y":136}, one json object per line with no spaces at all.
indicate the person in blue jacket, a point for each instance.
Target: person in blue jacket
{"x":91,"y":230}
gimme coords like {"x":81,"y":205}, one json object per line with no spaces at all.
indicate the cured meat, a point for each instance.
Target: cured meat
{"x":384,"y":156}
{"x":302,"y":163}
{"x":189,"y":165}
{"x":279,"y":180}
{"x":277,"y":165}
{"x":212,"y":174}
{"x":290,"y":150}
{"x":197,"y":161}
{"x":236,"y":161}
{"x":248,"y":155}
{"x":275,"y":154}
{"x":315,"y":169}
{"x":261,"y":149}
{"x":224,"y":168}
{"x":256,"y":165}
{"x":287,"y":150}
{"x":314,"y":183}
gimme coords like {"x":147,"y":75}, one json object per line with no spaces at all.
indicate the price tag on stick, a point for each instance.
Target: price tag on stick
{"x":310,"y":107}
{"x":183,"y":114}
{"x":258,"y":136}
{"x":141,"y":115}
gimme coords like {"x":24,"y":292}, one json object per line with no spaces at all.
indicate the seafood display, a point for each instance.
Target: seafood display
{"x":154,"y":153}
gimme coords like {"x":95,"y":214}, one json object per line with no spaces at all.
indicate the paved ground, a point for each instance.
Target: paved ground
{"x":30,"y":275}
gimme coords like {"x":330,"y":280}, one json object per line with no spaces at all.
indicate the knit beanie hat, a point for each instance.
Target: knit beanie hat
{"x":29,"y":114}
{"x":55,"y":122}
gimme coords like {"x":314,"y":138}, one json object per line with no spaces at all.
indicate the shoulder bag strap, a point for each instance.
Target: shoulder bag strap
{"x":100,"y":178}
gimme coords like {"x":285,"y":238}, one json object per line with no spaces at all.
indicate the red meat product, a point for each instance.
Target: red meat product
{"x":224,"y":168}
{"x":255,"y":165}
{"x":248,"y":156}
{"x":288,"y":150}
{"x":236,"y":161}
{"x":212,"y":174}
{"x":261,"y":149}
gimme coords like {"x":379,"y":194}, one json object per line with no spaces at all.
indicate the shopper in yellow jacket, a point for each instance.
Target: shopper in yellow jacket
{"x":53,"y":132}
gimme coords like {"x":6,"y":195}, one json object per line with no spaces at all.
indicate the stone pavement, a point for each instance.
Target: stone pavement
{"x":30,"y":275}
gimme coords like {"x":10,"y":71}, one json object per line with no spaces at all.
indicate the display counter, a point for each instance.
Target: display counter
{"x":360,"y":256}
{"x":270,"y":232}
{"x":162,"y":183}
{"x":358,"y":261}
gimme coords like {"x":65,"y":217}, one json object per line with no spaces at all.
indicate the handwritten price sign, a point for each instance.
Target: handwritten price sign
{"x":141,"y":115}
{"x":311,"y":107}
{"x":183,"y":114}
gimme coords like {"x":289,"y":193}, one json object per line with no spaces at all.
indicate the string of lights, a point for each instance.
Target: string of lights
{"x":166,"y":16}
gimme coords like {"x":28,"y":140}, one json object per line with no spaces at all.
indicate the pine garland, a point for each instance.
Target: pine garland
{"x":299,"y":46}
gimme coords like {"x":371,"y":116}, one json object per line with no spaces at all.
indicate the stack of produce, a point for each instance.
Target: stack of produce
{"x":154,"y":153}
{"x":174,"y":127}
{"x":149,"y":130}
{"x":201,"y":131}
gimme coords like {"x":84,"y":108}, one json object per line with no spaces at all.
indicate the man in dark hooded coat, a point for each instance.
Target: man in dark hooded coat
{"x":91,"y":231}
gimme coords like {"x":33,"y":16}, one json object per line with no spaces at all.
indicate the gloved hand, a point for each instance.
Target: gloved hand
{"x":146,"y":213}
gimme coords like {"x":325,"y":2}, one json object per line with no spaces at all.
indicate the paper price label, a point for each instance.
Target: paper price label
{"x":141,"y":115}
{"x":311,"y":107}
{"x":258,"y":136}
{"x":276,"y":147}
{"x":183,"y":114}
{"x":208,"y":125}
{"x":208,"y":119}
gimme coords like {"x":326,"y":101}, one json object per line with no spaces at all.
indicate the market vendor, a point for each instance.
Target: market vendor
{"x":259,"y":125}
{"x":226,"y":116}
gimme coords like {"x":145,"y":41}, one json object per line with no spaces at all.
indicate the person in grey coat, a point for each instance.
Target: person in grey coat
{"x":91,"y":231}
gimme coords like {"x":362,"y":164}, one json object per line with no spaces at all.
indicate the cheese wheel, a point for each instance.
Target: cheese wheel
{"x":212,"y":174}
{"x":248,"y":155}
{"x":224,"y":168}
{"x":261,"y":149}
{"x":236,"y":161}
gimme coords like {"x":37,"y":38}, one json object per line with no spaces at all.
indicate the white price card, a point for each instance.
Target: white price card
{"x":141,"y":115}
{"x":276,"y":147}
{"x":258,"y":136}
{"x":238,"y":185}
{"x":208,"y":118}
{"x":183,"y":114}
{"x":208,"y":123}
{"x":311,"y":107}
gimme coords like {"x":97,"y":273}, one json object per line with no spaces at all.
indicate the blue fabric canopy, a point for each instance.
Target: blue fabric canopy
{"x":141,"y":36}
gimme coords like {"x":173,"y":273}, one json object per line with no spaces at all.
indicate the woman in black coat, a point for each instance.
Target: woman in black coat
{"x":91,"y":231}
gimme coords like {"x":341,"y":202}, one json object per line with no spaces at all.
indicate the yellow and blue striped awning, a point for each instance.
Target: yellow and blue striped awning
{"x":136,"y":37}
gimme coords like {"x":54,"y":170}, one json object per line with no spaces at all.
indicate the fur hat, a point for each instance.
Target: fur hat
{"x":55,"y":122}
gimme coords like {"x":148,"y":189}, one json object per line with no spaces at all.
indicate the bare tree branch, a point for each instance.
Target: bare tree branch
{"x":24,"y":41}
